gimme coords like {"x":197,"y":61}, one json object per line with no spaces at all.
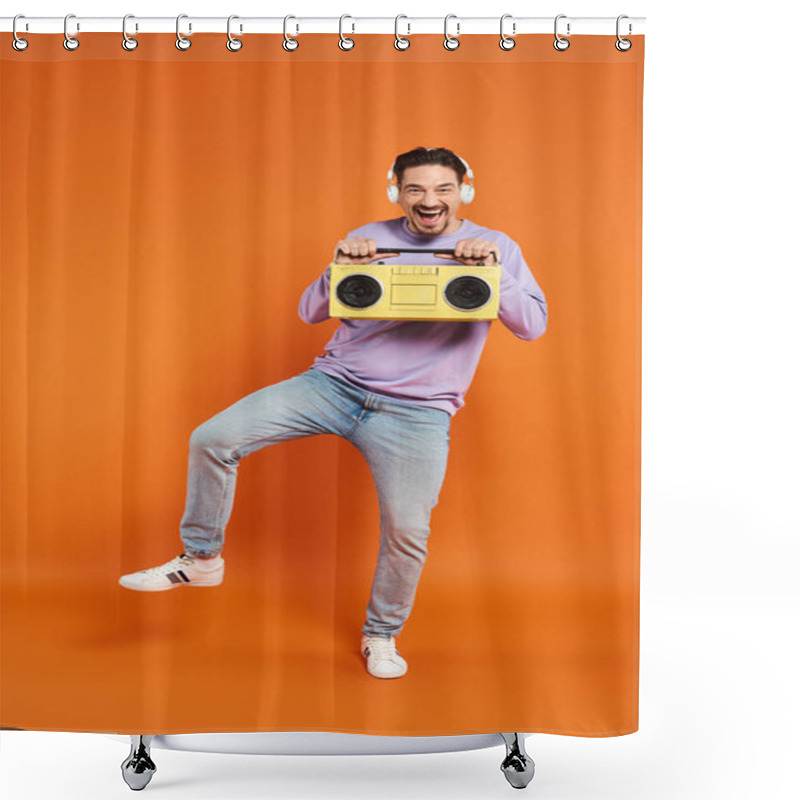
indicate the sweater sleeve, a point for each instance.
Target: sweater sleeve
{"x":523,"y":307}
{"x":314,"y":303}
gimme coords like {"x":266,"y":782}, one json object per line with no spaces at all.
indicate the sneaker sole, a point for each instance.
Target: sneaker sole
{"x":386,"y":677}
{"x":167,"y":588}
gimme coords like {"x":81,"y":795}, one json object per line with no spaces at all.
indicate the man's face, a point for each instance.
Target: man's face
{"x":431,"y":188}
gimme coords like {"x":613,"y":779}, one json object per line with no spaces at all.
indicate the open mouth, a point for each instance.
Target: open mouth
{"x":430,"y":217}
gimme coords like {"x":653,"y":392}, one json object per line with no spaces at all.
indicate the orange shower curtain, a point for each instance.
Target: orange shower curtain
{"x":162,"y":213}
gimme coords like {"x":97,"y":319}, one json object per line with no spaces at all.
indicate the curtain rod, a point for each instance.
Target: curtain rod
{"x":407,"y":26}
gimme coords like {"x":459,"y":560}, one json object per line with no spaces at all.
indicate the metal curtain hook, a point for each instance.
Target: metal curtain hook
{"x":506,"y":42}
{"x":345,"y":42}
{"x":128,"y":42}
{"x":401,"y":43}
{"x":233,"y":44}
{"x":182,"y":43}
{"x":623,"y":45}
{"x":561,"y":43}
{"x":451,"y":42}
{"x":70,"y":42}
{"x":289,"y":43}
{"x":18,"y":43}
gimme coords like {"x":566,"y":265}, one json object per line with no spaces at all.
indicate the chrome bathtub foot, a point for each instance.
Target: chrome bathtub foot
{"x":138,"y":768}
{"x":517,"y":766}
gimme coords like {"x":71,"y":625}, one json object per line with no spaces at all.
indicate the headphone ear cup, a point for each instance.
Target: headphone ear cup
{"x":393,"y":193}
{"x":467,"y":192}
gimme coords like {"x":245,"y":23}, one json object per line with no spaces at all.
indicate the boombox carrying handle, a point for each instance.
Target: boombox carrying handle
{"x":406,"y":250}
{"x":412,"y":250}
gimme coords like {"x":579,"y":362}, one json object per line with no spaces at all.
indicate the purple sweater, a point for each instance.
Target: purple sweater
{"x":426,"y":363}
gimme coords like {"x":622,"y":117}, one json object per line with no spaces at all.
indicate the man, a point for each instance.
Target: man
{"x":388,"y":386}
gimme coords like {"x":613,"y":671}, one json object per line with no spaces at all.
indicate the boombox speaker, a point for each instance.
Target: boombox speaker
{"x":414,"y":291}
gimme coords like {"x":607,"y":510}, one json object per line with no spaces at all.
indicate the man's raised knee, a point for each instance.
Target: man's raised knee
{"x":207,"y":436}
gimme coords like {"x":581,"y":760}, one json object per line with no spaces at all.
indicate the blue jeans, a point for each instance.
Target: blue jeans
{"x":405,"y":444}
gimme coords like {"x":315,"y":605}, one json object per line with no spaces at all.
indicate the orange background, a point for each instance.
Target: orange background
{"x":162,"y":213}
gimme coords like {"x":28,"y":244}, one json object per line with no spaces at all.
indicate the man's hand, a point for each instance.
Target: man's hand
{"x":473,"y":251}
{"x":358,"y":250}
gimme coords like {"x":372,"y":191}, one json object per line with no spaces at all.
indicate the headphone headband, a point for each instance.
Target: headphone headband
{"x":467,"y":189}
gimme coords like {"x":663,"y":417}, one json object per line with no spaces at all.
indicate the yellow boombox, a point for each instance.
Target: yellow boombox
{"x":414,"y":291}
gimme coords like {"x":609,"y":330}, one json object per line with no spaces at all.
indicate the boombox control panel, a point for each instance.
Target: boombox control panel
{"x":415,"y":291}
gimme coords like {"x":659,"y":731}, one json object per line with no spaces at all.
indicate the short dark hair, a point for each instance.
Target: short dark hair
{"x":429,"y":155}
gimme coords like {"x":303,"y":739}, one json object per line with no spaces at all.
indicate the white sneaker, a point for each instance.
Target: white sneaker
{"x":383,"y":660}
{"x":183,"y":570}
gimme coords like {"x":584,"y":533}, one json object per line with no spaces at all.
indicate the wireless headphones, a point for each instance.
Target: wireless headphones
{"x":467,"y":189}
